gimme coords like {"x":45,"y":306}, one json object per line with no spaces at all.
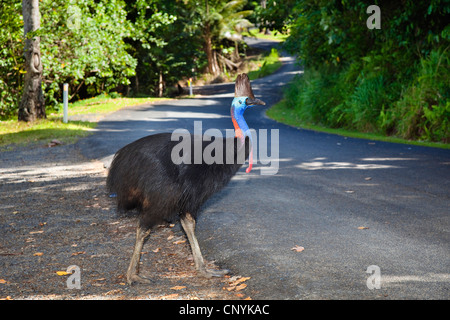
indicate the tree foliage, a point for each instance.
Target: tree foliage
{"x":165,"y":42}
{"x":12,"y":59}
{"x":83,"y":45}
{"x":129,"y":46}
{"x":393,"y":80}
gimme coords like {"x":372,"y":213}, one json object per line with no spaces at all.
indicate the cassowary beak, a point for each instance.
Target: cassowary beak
{"x":252,"y":102}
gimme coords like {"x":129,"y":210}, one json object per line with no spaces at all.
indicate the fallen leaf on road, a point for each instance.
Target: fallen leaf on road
{"x":179,"y":242}
{"x":77,"y":253}
{"x":156,"y":250}
{"x":62,"y":273}
{"x":178,"y":288}
{"x":241,"y":287}
{"x":297,"y":248}
{"x":35,"y":232}
{"x":363,"y":228}
{"x":38,"y":254}
{"x":95,"y":284}
{"x":3,"y":281}
{"x":234,"y":282}
{"x":113,"y":292}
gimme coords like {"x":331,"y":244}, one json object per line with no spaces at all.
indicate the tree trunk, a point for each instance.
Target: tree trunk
{"x":161,"y":84}
{"x":32,"y":105}
{"x":236,"y":52}
{"x":213,"y":66}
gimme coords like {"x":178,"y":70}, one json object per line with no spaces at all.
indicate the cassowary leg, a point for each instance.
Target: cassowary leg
{"x":188,"y":223}
{"x":133,"y":269}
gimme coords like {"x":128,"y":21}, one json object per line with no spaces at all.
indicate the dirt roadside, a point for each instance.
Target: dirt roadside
{"x":55,"y":213}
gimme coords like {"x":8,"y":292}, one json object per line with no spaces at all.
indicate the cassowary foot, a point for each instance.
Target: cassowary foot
{"x":209,"y":273}
{"x":188,"y":223}
{"x":135,"y":278}
{"x":133,"y":269}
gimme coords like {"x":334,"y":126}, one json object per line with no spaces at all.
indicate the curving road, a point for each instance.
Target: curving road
{"x":349,"y":203}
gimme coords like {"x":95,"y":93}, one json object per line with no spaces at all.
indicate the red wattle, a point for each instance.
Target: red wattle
{"x":250,"y":161}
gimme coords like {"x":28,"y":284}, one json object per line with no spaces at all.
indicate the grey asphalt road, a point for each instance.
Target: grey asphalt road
{"x":349,"y":203}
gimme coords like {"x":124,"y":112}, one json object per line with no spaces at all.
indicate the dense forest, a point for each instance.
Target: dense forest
{"x":392,"y":80}
{"x":126,"y":46}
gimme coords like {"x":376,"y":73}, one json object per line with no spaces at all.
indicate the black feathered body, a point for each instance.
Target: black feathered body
{"x":143,"y":176}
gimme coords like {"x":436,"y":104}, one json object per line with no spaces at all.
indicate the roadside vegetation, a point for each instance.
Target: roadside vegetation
{"x":20,"y":133}
{"x":118,"y":53}
{"x":44,"y":131}
{"x":130,"y":47}
{"x":281,"y":112}
{"x":393,"y":81}
{"x":266,"y":66}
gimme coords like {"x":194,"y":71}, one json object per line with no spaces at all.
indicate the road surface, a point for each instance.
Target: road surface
{"x":349,"y":203}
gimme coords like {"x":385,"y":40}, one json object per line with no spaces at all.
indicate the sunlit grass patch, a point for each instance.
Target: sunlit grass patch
{"x":104,"y":103}
{"x":18,"y":133}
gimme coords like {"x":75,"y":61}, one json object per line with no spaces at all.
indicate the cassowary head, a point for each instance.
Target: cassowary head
{"x":243,"y":99}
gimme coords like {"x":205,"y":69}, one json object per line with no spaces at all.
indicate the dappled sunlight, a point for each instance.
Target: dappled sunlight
{"x":319,"y":165}
{"x":225,"y":95}
{"x":387,"y":280}
{"x":198,"y":115}
{"x":240,"y":176}
{"x":198,"y":101}
{"x":46,"y":173}
{"x":388,"y":159}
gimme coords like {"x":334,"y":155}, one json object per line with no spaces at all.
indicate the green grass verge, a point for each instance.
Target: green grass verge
{"x":104,"y":104}
{"x":267,"y":65}
{"x":16,"y":133}
{"x":274,"y":35}
{"x":281,"y":113}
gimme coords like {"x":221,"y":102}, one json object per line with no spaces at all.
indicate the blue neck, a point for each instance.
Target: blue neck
{"x":238,"y":107}
{"x":241,"y":128}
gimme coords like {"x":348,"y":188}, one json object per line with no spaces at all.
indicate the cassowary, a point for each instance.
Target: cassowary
{"x":144,"y":177}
